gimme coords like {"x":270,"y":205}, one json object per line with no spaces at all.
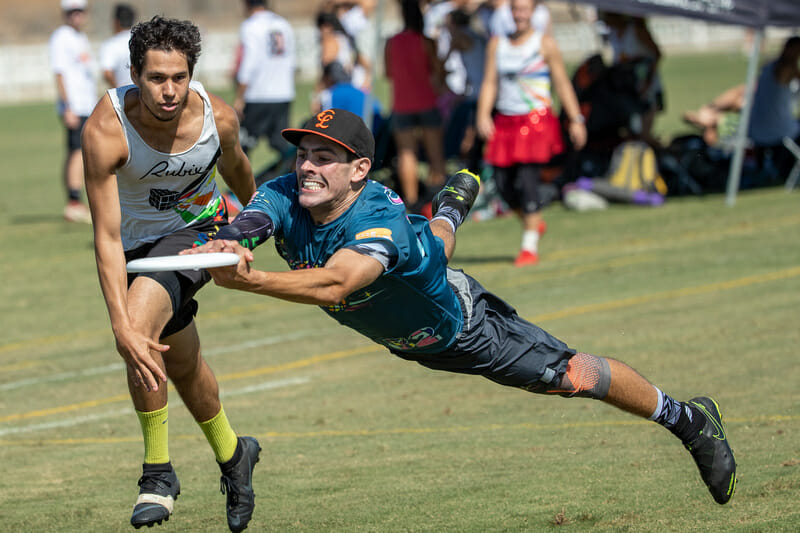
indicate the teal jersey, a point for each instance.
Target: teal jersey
{"x":410,"y":308}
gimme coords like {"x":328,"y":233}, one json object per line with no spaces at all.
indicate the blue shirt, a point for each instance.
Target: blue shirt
{"x":410,"y":308}
{"x":772,"y":117}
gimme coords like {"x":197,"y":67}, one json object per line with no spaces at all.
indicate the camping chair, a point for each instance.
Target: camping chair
{"x":794,"y":175}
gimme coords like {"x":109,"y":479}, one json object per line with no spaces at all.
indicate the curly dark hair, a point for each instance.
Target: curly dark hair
{"x":164,"y":34}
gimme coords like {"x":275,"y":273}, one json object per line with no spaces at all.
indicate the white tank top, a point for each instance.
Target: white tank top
{"x":160,"y":193}
{"x":523,"y":76}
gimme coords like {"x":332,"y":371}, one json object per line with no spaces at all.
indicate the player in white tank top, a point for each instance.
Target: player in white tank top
{"x":151,"y":154}
{"x":160,"y":193}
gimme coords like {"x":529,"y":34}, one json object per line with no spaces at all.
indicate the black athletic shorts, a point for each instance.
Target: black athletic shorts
{"x":423,"y":119}
{"x":497,"y":343}
{"x":519,"y":186}
{"x":74,"y":136}
{"x":181,"y":285}
{"x":264,"y":120}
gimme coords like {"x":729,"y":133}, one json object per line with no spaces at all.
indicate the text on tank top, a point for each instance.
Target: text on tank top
{"x":160,"y":193}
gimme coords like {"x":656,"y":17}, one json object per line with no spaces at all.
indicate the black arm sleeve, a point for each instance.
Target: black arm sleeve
{"x":250,"y":228}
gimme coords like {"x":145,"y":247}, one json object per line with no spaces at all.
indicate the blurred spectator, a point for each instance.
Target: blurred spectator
{"x":436,"y":27}
{"x":710,"y":117}
{"x":502,"y":23}
{"x":337,"y":45}
{"x":631,"y":42}
{"x":340,"y":93}
{"x":265,"y":85}
{"x":72,"y":63}
{"x":774,"y":113}
{"x":265,"y":78}
{"x":461,"y":138}
{"x":525,"y":133}
{"x":115,"y":56}
{"x":416,"y":76}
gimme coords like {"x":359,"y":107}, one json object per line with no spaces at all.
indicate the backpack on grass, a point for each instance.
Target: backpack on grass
{"x":632,"y":176}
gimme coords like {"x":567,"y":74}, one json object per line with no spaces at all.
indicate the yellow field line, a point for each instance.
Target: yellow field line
{"x":400,"y":431}
{"x":686,"y":291}
{"x":19,"y":366}
{"x":226,"y":377}
{"x":572,"y":311}
{"x":65,"y":408}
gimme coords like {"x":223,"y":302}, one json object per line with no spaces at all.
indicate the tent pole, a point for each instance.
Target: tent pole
{"x":735,"y":171}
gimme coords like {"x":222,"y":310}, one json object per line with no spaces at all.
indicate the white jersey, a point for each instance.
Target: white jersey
{"x":523,"y":76}
{"x":71,"y":56}
{"x":268,"y":58}
{"x":115,"y":56}
{"x":161,"y":193}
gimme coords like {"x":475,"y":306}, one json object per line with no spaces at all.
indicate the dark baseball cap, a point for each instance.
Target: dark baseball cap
{"x":340,"y":126}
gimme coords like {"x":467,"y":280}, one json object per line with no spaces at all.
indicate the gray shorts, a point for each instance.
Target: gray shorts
{"x":497,"y":343}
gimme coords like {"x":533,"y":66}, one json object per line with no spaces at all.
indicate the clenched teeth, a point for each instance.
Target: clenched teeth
{"x":311,"y":185}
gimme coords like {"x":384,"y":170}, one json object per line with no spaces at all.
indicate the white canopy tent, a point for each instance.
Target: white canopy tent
{"x":756,"y":14}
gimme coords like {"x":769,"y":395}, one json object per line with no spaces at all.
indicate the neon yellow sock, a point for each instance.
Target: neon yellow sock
{"x":220,"y":436}
{"x":156,"y":435}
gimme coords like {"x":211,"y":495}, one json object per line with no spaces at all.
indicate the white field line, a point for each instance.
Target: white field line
{"x":114,"y":413}
{"x":117,"y":367}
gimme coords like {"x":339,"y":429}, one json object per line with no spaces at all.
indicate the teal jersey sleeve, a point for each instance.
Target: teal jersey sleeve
{"x":410,"y":308}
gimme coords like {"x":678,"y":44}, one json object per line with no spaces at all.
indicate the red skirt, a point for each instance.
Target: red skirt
{"x":532,"y":138}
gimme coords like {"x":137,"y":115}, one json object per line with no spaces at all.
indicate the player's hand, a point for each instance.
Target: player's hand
{"x":232,"y":277}
{"x":71,"y":120}
{"x":577,"y":134}
{"x":135,"y":348}
{"x":485,"y":127}
{"x":221,"y":245}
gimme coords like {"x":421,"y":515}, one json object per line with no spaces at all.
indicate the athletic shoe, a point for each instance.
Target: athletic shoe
{"x":237,"y":483}
{"x":75,"y":211}
{"x":460,"y":192}
{"x":712,"y":453}
{"x":158,"y":490}
{"x":526,"y":258}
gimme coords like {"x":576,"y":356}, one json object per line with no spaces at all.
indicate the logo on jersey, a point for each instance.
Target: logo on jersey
{"x":375,"y":233}
{"x":392,"y":196}
{"x":323,"y":119}
{"x":421,"y":338}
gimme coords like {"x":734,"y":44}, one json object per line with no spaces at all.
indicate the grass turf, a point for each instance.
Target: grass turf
{"x":699,"y":297}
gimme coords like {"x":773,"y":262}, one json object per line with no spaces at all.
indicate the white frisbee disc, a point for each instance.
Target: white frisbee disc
{"x":182,"y":262}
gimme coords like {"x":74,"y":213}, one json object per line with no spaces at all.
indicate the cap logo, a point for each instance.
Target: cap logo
{"x":323,"y":119}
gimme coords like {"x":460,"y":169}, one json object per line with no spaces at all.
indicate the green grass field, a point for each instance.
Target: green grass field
{"x":699,"y":297}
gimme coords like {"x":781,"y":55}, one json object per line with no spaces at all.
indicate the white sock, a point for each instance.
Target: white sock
{"x":530,"y":240}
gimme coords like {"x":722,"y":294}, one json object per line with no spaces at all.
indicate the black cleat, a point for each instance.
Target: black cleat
{"x":459,"y":192}
{"x":712,"y":453}
{"x":158,"y":490}
{"x":237,"y":483}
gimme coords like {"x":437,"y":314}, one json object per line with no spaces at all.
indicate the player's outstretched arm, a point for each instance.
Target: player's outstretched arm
{"x":104,"y":150}
{"x":344,"y":273}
